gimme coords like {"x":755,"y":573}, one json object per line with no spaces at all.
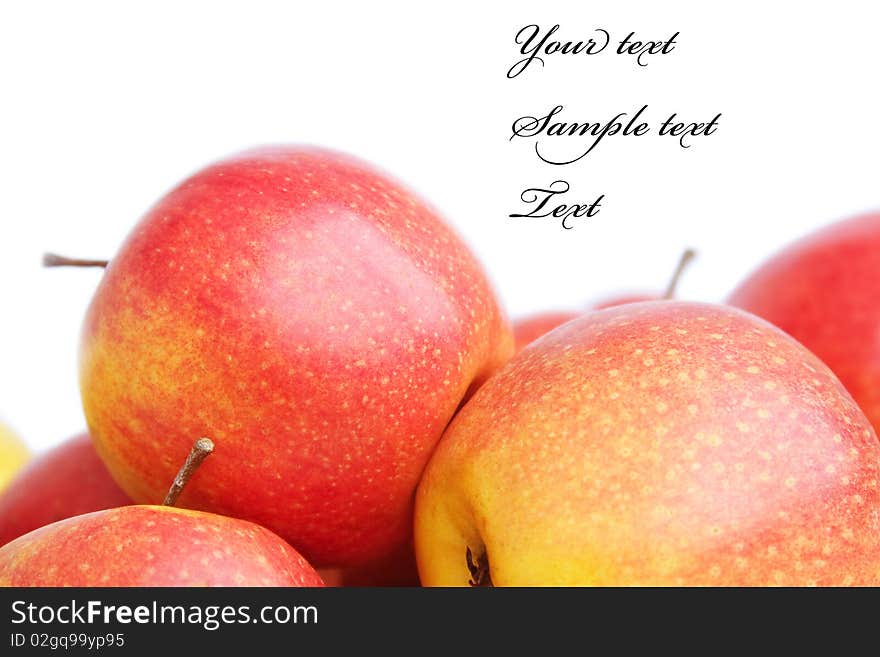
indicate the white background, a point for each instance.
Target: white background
{"x":104,"y":106}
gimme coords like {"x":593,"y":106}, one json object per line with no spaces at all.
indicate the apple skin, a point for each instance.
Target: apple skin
{"x":66,"y":481}
{"x":660,"y":443}
{"x":153,"y":546}
{"x":316,"y":320}
{"x":824,"y":289}
{"x":13,"y":455}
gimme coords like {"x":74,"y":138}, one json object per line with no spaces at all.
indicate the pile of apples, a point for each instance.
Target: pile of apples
{"x":294,"y":372}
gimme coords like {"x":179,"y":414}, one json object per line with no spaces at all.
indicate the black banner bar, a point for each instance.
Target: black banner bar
{"x":462,"y":621}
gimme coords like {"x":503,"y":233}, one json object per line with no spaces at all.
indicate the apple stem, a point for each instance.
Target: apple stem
{"x":686,"y":257}
{"x":55,"y":260}
{"x":479,"y":570}
{"x":200,"y":450}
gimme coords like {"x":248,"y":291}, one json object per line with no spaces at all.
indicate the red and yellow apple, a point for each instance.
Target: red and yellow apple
{"x":659,"y":443}
{"x":825,"y":291}
{"x":66,"y":481}
{"x":152,"y":546}
{"x":314,"y":318}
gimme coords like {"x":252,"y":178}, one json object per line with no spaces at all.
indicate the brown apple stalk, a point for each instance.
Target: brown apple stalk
{"x":683,"y":262}
{"x":200,"y":451}
{"x":479,"y":569}
{"x":55,"y":260}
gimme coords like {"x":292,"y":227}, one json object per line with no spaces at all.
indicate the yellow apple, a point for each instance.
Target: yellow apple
{"x":13,"y":455}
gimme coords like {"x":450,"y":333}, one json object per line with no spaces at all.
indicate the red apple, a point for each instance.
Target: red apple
{"x":66,"y":481}
{"x":529,"y":329}
{"x":313,"y":317}
{"x":153,"y":546}
{"x":825,"y":291}
{"x":659,"y":443}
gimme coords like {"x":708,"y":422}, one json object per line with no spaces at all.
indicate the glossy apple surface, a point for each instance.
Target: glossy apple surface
{"x":152,"y":546}
{"x":66,"y":481}
{"x":660,"y":443}
{"x":315,"y":319}
{"x":825,"y":291}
